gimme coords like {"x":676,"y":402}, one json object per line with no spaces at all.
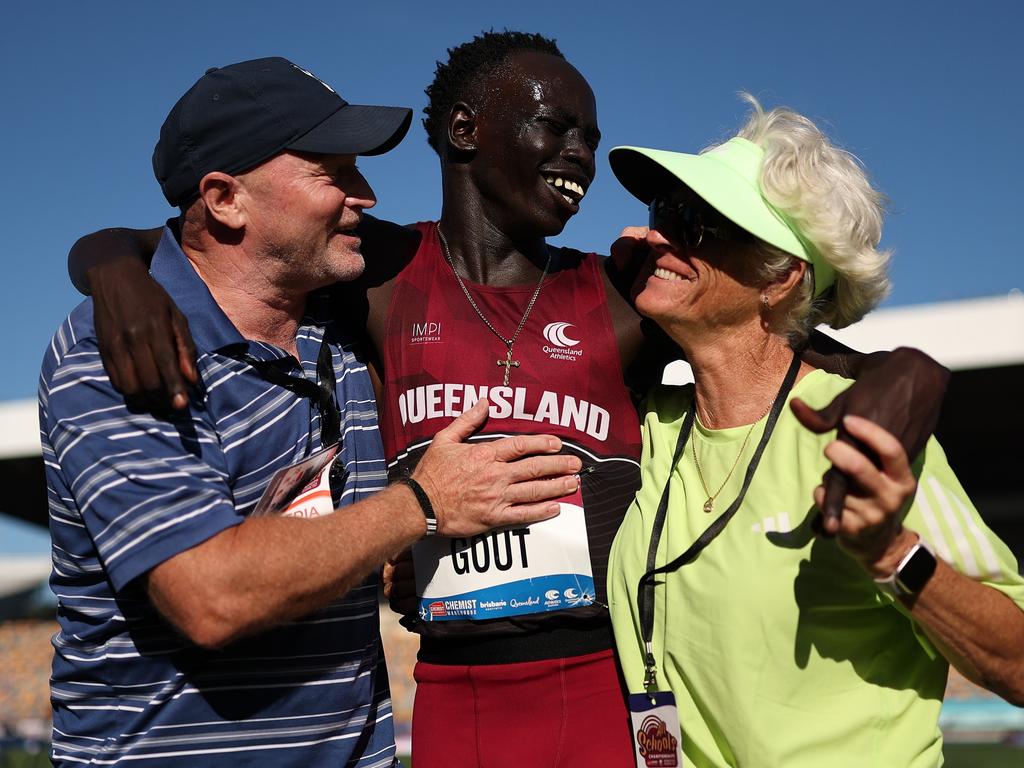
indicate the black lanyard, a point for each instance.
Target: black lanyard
{"x":321,"y":394}
{"x":645,"y":589}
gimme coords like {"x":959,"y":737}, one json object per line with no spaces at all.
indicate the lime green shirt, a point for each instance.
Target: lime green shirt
{"x":780,"y":649}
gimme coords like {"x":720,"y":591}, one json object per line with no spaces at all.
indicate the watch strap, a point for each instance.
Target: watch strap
{"x":912,"y":572}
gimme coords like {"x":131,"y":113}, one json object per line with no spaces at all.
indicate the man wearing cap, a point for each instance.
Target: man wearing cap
{"x":478,"y":302}
{"x":197,"y":626}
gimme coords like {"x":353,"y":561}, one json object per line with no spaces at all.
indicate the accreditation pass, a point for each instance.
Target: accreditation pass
{"x":509,"y":571}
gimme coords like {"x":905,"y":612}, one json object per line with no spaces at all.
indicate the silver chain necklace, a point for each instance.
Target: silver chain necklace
{"x":508,"y":362}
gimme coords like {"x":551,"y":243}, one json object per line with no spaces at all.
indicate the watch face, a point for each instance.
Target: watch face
{"x":916,"y":571}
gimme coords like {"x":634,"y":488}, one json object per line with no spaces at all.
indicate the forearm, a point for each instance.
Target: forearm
{"x":270,"y":570}
{"x":978,"y":629}
{"x":107,"y":246}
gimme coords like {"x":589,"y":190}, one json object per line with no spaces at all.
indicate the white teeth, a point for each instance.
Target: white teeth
{"x":664,"y":274}
{"x":572,"y":186}
{"x":569,"y":200}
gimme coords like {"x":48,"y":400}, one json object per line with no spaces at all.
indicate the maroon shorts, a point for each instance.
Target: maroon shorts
{"x":562,"y":713}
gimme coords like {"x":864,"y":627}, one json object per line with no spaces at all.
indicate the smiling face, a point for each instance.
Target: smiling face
{"x":302,"y":213}
{"x":713,"y":285}
{"x":536,"y":137}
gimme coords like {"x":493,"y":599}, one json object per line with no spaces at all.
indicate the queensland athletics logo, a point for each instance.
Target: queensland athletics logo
{"x":560,"y":343}
{"x":657,"y":746}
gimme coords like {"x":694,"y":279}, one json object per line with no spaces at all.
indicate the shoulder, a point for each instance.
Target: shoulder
{"x":387,"y":249}
{"x":819,"y":387}
{"x":72,"y":344}
{"x":666,"y":405}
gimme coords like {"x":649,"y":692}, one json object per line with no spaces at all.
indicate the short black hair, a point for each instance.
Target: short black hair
{"x":467,"y":65}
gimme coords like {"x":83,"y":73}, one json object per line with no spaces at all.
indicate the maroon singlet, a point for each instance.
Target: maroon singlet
{"x":440,"y":357}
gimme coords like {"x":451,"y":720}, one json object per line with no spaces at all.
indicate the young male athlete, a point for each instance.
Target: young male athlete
{"x":478,"y":304}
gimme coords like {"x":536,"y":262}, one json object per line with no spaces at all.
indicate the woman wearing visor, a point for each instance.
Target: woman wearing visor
{"x":786,"y":642}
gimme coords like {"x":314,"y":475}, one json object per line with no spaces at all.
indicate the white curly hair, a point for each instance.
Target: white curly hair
{"x":827,"y":194}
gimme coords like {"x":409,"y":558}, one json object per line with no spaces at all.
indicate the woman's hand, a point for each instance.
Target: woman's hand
{"x":870,"y":528}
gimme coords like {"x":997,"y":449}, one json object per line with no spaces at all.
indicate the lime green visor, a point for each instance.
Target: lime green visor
{"x":728,"y":179}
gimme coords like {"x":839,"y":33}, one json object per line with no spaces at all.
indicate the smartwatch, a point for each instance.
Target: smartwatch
{"x":912,"y":573}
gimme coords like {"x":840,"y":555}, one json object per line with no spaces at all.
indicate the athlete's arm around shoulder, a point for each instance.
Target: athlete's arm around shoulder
{"x":387,"y":249}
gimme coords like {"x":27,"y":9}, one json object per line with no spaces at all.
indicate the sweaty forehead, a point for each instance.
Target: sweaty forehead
{"x":533,"y":77}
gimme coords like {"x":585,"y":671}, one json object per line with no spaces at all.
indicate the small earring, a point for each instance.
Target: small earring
{"x":765,"y":304}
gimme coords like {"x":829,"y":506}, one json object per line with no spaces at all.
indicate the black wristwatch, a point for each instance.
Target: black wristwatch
{"x":912,"y":573}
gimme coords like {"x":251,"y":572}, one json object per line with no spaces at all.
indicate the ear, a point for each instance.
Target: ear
{"x":462,"y":124}
{"x":784,"y":288}
{"x":223,"y":196}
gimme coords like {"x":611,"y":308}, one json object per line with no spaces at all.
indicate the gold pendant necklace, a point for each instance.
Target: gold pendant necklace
{"x":508,"y":362}
{"x":709,"y":503}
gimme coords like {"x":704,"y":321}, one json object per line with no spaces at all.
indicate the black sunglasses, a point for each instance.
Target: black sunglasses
{"x":686,"y":222}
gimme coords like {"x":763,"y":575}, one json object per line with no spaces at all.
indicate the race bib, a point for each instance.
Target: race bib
{"x":657,"y":739}
{"x":302,"y":489}
{"x":508,"y":571}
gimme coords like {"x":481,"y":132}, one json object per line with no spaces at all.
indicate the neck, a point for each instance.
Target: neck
{"x":481,"y":248}
{"x":737,"y":374}
{"x":259,"y":304}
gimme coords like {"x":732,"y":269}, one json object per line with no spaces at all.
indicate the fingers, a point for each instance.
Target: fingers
{"x":119,"y":367}
{"x":400,"y":584}
{"x":821,"y":420}
{"x":523,"y":514}
{"x":185,"y":346}
{"x":630,"y":247}
{"x":869,"y":511}
{"x":834,"y":490}
{"x":530,"y":491}
{"x":883,"y":443}
{"x":807,"y":416}
{"x":512,"y":448}
{"x":634,"y":233}
{"x":156,"y":350}
{"x":465,"y":425}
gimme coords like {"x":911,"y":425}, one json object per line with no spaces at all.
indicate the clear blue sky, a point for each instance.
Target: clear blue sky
{"x":928,"y":95}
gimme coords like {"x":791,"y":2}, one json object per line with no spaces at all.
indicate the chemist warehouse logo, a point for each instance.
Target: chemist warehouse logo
{"x":560,"y":342}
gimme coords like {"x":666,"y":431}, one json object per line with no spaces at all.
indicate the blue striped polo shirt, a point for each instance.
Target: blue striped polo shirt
{"x":129,"y":490}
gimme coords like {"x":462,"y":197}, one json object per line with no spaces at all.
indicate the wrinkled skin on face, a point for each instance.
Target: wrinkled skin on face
{"x":304,"y":210}
{"x":710,"y":287}
{"x":534,"y":120}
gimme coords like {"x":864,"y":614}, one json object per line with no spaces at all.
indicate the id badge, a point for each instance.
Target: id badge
{"x":657,"y":739}
{"x":302,"y":489}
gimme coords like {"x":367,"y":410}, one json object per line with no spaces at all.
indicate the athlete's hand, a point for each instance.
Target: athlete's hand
{"x":877,"y":497}
{"x":479,"y":486}
{"x":400,"y":584}
{"x":144,"y":340}
{"x":900,"y":391}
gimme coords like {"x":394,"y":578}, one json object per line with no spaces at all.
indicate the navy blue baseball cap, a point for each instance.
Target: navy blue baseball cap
{"x":238,"y":116}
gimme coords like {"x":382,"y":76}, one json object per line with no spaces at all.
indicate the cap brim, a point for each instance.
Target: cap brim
{"x":357,"y":130}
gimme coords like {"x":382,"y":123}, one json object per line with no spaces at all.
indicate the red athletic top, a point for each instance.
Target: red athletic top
{"x":440,"y":357}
